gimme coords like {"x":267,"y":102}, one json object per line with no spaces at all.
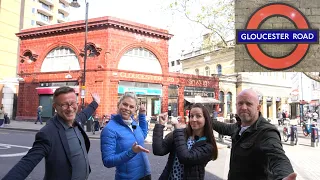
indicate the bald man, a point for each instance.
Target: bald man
{"x":256,"y":152}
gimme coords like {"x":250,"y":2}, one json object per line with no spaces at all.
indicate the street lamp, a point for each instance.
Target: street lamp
{"x":75,"y":4}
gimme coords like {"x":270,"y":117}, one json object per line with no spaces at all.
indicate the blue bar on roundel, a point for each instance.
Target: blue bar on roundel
{"x":277,"y":36}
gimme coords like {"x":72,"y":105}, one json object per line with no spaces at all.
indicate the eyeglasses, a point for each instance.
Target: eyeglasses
{"x":66,"y":106}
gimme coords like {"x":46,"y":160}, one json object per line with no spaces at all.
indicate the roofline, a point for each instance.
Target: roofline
{"x":106,"y":21}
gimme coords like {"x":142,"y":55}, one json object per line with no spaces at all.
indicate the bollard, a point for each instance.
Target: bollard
{"x":314,"y":136}
{"x":292,"y":130}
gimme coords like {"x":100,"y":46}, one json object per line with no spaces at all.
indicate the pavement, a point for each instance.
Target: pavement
{"x":304,"y":158}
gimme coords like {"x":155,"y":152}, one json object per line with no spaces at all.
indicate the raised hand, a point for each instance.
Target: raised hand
{"x":96,"y":97}
{"x":291,"y":176}
{"x":163,"y":118}
{"x":137,"y":148}
{"x":142,"y":109}
{"x":176,"y":123}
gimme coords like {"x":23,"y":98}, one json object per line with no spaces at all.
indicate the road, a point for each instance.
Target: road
{"x":9,"y":156}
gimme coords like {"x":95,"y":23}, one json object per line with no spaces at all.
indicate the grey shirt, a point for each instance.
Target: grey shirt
{"x":78,"y":152}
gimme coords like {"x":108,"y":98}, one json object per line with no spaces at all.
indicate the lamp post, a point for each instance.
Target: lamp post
{"x":75,"y":4}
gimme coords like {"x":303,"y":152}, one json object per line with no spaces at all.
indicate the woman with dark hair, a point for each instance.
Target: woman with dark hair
{"x":190,"y":148}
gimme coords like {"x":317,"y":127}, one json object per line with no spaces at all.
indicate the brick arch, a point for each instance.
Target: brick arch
{"x":56,"y":45}
{"x":146,"y":46}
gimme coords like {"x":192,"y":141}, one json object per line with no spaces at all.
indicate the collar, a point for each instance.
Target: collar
{"x":118,"y":119}
{"x":255,"y":125}
{"x":65,"y":125}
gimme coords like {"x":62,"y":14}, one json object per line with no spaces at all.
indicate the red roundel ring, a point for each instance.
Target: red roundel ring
{"x":277,"y":63}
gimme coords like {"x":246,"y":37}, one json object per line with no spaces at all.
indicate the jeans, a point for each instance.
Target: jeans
{"x":38,"y":119}
{"x":1,"y":122}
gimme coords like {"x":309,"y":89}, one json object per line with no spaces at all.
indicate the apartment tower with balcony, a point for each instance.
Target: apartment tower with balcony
{"x":14,"y":16}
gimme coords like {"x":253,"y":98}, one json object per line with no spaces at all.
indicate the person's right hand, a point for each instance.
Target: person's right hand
{"x":163,"y":118}
{"x":96,"y":97}
{"x":137,"y":148}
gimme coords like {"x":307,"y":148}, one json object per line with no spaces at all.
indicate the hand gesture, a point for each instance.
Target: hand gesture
{"x":291,"y":176}
{"x":137,"y":148}
{"x":163,"y":118}
{"x":96,"y":97}
{"x":176,"y":123}
{"x":142,"y":109}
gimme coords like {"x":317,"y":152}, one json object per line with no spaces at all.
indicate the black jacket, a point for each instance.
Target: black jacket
{"x":51,"y":142}
{"x":257,"y":154}
{"x":194,"y":160}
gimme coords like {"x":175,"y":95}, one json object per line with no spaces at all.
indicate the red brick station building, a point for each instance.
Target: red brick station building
{"x":122,"y":56}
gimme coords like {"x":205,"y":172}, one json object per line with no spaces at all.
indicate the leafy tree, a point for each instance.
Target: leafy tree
{"x":217,"y":16}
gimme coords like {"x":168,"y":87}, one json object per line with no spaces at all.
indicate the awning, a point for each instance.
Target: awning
{"x":204,"y":100}
{"x":50,"y":90}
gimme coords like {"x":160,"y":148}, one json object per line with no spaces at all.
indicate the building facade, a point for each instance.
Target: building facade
{"x":304,"y":96}
{"x":273,"y":87}
{"x":123,"y":56}
{"x":14,"y":16}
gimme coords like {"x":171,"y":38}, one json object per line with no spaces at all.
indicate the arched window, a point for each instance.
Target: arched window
{"x":219,"y":69}
{"x":60,"y":59}
{"x":207,"y":71}
{"x":221,"y":99}
{"x":229,"y":102}
{"x":197,"y":71}
{"x":141,"y":60}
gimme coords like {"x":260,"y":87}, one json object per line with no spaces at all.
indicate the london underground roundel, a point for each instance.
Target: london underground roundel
{"x":252,"y":36}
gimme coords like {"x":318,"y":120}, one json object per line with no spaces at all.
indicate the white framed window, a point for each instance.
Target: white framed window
{"x":141,"y":60}
{"x":219,"y":69}
{"x":60,"y":59}
{"x":207,"y":69}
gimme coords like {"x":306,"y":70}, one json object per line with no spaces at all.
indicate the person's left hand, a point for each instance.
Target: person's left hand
{"x":96,"y":97}
{"x":291,"y":176}
{"x":142,"y":109}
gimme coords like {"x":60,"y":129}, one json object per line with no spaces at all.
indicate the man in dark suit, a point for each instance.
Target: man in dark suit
{"x":62,"y":142}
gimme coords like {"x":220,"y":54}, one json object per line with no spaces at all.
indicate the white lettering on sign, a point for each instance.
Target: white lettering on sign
{"x":202,"y":83}
{"x":146,"y":39}
{"x":145,"y":77}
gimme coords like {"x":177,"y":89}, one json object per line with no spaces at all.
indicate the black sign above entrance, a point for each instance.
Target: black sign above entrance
{"x":58,"y":84}
{"x":199,"y":91}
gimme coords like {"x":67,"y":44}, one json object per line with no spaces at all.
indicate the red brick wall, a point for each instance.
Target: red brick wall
{"x":102,"y":74}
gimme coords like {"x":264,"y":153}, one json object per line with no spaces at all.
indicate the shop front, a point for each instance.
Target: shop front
{"x":148,"y":94}
{"x":203,"y":95}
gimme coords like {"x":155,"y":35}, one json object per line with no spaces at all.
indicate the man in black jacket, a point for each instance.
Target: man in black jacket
{"x":62,"y":142}
{"x":256,"y":152}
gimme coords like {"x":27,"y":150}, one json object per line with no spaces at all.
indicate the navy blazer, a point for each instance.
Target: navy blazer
{"x":51,"y":142}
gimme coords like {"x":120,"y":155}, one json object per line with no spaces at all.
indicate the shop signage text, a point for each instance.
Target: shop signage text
{"x":145,"y":77}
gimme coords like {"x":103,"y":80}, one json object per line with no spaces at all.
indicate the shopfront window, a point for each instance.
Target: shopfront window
{"x":229,"y":102}
{"x":60,"y":59}
{"x":221,"y":99}
{"x":140,"y":60}
{"x":173,"y":96}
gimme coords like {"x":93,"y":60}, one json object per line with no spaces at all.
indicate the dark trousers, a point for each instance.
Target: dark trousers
{"x":147,"y":177}
{"x":38,"y":119}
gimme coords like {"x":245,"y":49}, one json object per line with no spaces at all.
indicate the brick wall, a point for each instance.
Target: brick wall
{"x":102,"y":74}
{"x":245,"y":8}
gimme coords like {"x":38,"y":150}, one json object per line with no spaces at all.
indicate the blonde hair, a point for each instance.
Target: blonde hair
{"x":130,"y":95}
